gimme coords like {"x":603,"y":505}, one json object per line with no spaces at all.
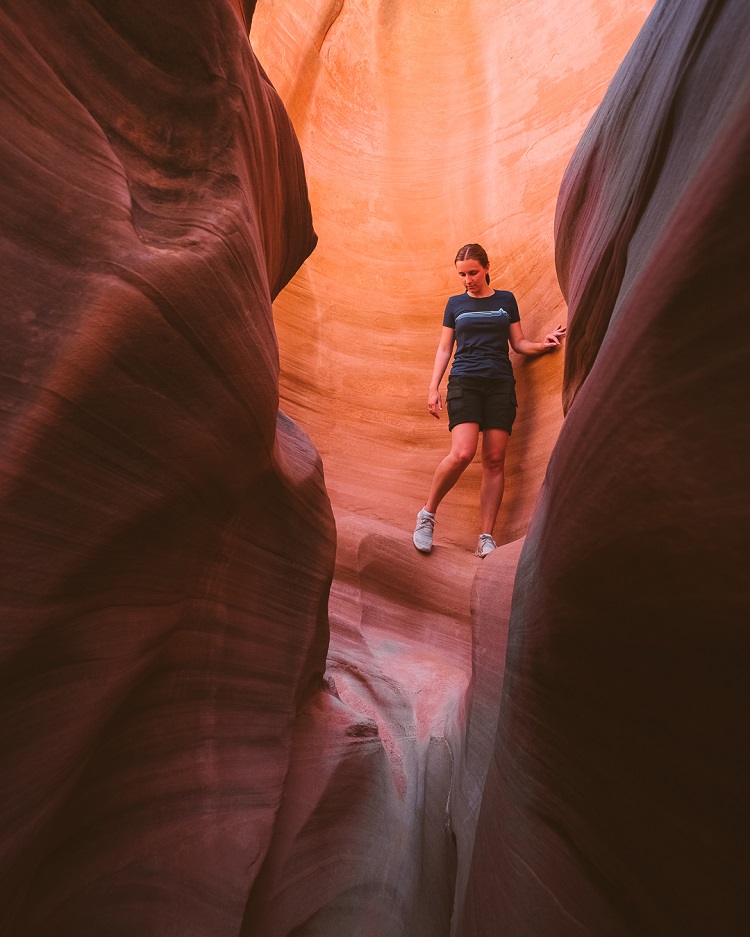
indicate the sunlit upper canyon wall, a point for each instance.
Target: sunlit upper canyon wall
{"x":424,"y":125}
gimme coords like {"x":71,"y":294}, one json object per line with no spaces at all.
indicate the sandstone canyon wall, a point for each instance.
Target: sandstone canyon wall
{"x":427,"y":124}
{"x":167,"y":541}
{"x":418,"y":134}
{"x":615,"y":802}
{"x":177,"y":761}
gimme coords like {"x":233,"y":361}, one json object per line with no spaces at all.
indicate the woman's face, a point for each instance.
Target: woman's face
{"x":473,"y":275}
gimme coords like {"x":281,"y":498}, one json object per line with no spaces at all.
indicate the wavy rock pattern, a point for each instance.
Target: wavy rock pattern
{"x":381,"y":803}
{"x":426,"y":124}
{"x":616,"y":794}
{"x":167,"y":541}
{"x":179,"y":766}
{"x":418,"y":134}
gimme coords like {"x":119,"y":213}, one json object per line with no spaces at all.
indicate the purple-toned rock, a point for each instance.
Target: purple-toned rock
{"x":166,"y":539}
{"x":615,"y":803}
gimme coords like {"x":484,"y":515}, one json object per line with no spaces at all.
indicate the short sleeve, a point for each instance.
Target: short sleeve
{"x":515,"y":315}
{"x":449,"y":316}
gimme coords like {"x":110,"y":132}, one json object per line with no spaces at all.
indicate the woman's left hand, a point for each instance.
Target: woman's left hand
{"x":554,"y":339}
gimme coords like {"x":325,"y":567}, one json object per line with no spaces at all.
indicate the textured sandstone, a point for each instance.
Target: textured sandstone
{"x":418,"y":134}
{"x":426,"y":124}
{"x":178,"y":766}
{"x":382,"y":798}
{"x":616,"y":798}
{"x":166,"y":538}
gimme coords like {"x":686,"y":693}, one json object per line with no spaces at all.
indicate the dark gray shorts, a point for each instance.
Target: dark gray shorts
{"x":490,"y":402}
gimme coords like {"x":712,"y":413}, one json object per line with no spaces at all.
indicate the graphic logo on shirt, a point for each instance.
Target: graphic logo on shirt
{"x":492,"y":314}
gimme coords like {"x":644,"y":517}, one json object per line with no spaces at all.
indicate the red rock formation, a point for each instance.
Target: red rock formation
{"x":380,"y":805}
{"x":426,"y":124}
{"x":376,"y":832}
{"x":616,"y":796}
{"x":362,"y":845}
{"x":167,"y":539}
{"x":167,"y":543}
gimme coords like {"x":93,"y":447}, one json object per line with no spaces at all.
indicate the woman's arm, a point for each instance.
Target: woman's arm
{"x":442,"y":357}
{"x":520,"y":344}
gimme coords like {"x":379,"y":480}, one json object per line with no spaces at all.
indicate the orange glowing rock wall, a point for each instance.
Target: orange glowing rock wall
{"x":426,"y":125}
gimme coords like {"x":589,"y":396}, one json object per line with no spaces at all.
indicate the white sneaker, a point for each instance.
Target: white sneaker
{"x":423,"y":533}
{"x":486,"y":545}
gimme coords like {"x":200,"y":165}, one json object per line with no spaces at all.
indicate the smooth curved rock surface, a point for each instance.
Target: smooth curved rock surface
{"x":375,"y":832}
{"x":362,"y":845}
{"x":178,"y":764}
{"x":167,"y":541}
{"x":616,"y":798}
{"x":426,"y":124}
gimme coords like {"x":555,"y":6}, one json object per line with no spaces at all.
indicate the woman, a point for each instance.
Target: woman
{"x":481,"y":390}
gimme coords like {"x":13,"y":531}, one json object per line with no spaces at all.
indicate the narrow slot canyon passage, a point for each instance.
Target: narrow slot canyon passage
{"x":423,"y":126}
{"x":235,"y":700}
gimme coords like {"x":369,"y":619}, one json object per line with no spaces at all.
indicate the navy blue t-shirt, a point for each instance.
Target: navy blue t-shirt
{"x":482,"y":327}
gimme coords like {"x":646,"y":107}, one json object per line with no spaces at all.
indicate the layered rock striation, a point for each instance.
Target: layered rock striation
{"x":615,"y":798}
{"x":425,"y":125}
{"x":166,"y":538}
{"x":187,"y":752}
{"x":418,"y":135}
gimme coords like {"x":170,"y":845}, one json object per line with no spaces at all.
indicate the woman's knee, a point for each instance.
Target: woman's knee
{"x":493,"y":461}
{"x":462,"y":456}
{"x":464,"y":440}
{"x":494,"y":446}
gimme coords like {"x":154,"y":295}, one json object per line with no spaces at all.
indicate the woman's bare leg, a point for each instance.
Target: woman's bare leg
{"x":494,"y":443}
{"x":464,"y":438}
